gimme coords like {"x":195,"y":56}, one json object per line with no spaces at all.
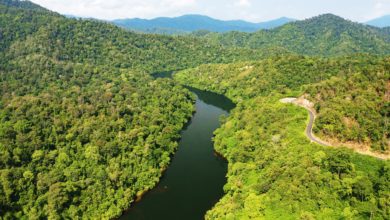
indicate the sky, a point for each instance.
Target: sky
{"x":250,"y":10}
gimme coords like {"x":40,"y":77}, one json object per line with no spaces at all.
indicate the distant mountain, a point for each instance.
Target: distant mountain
{"x":381,"y":22}
{"x":71,"y":16}
{"x":275,"y":23}
{"x":190,"y":23}
{"x":325,"y":34}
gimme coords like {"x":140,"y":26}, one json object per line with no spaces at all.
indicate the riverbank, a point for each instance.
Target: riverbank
{"x":194,"y":180}
{"x":275,"y":172}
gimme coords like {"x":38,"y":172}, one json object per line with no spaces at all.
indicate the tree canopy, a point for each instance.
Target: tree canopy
{"x":84,"y":128}
{"x":274,"y":171}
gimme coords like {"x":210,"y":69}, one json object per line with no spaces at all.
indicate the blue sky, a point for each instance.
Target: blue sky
{"x":251,"y":10}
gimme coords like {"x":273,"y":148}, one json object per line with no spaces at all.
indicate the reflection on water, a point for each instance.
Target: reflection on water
{"x":194,"y":181}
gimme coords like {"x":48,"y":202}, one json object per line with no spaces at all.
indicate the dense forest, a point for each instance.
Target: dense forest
{"x":274,"y":170}
{"x":349,"y":92}
{"x":25,"y":31}
{"x":78,"y":138}
{"x":327,"y":35}
{"x":354,"y":107}
{"x":84,"y":128}
{"x":86,"y":147}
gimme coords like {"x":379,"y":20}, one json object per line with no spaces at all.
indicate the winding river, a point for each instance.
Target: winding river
{"x":194,"y":181}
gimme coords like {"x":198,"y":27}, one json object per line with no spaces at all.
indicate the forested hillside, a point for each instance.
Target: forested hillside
{"x":386,"y":30}
{"x":101,"y":43}
{"x":84,"y":128}
{"x":22,"y":4}
{"x":274,"y":171}
{"x":351,"y":96}
{"x":353,"y":108}
{"x":82,"y":141}
{"x":322,"y":35}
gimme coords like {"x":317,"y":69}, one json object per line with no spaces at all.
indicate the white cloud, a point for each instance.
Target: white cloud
{"x":180,"y":3}
{"x":378,"y":5}
{"x":243,"y":3}
{"x":253,"y":10}
{"x":111,"y":9}
{"x":380,"y":8}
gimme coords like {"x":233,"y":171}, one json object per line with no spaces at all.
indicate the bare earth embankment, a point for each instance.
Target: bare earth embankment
{"x":361,"y":149}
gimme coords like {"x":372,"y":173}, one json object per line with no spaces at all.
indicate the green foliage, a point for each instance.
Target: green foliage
{"x":22,"y":4}
{"x":25,"y":31}
{"x":84,"y":129}
{"x":327,"y":35}
{"x":274,"y":171}
{"x":355,"y":106}
{"x":80,"y":136}
{"x":288,"y":182}
{"x":349,"y":92}
{"x":83,"y":143}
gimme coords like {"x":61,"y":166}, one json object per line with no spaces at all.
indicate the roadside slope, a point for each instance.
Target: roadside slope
{"x":304,"y":103}
{"x":275,"y":172}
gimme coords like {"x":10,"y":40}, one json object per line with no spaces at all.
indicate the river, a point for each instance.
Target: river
{"x":194,"y":181}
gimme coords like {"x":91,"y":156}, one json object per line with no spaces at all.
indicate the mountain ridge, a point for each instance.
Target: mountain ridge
{"x":194,"y":22}
{"x":85,"y":129}
{"x":325,"y":34}
{"x":380,"y":22}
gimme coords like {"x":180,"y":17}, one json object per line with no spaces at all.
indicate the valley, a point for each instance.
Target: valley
{"x":194,"y":181}
{"x":99,"y":122}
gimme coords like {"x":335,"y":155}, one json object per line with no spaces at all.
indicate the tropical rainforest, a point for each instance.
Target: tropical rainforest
{"x":85,"y":128}
{"x":274,"y":170}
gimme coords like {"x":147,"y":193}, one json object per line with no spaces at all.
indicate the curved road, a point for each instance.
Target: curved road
{"x":309,"y":131}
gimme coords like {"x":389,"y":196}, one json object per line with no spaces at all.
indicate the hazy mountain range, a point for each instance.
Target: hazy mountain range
{"x":85,"y":129}
{"x":325,"y":34}
{"x":190,"y":23}
{"x":383,"y":21}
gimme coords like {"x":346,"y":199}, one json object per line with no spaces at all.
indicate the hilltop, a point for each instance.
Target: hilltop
{"x":326,"y":34}
{"x":191,"y":23}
